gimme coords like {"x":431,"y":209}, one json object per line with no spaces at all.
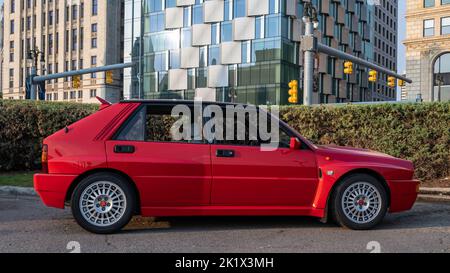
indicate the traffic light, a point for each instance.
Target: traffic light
{"x":373,"y":76}
{"x":76,"y":81}
{"x":401,"y":83}
{"x":109,"y":77}
{"x":293,"y":92}
{"x":391,"y":81}
{"x":348,"y":67}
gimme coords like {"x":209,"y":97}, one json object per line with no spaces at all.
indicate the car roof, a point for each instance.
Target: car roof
{"x":171,"y":102}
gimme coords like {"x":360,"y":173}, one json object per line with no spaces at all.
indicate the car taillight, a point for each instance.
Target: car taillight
{"x":44,"y":158}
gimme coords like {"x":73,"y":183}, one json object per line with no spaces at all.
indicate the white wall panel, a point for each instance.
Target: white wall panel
{"x":257,"y":7}
{"x":244,"y":28}
{"x":182,"y":3}
{"x":174,"y":18}
{"x":178,"y":79}
{"x":190,"y":57}
{"x":205,"y":94}
{"x":231,"y":52}
{"x":217,"y":76}
{"x":201,"y":35}
{"x":213,"y":11}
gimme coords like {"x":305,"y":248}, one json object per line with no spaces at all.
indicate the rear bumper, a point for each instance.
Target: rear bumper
{"x":403,"y":194}
{"x":52,"y":188}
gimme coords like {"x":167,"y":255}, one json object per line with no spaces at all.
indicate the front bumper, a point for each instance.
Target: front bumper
{"x":403,"y":194}
{"x":52,"y":188}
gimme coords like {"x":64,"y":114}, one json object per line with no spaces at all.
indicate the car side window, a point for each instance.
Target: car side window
{"x":250,"y":139}
{"x":153,"y":123}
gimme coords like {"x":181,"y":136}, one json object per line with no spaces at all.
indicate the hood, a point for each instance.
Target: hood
{"x":349,"y":154}
{"x":341,"y":150}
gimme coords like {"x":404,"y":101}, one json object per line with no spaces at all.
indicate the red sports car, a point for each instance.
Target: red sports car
{"x":123,"y":161}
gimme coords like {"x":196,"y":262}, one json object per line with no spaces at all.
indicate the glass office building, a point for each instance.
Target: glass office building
{"x":243,"y":51}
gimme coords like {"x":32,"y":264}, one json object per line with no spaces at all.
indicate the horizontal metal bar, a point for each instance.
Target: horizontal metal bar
{"x":81,"y":72}
{"x":342,"y":55}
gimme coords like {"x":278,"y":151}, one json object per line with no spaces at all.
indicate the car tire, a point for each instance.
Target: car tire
{"x":359,"y":202}
{"x":103,"y":203}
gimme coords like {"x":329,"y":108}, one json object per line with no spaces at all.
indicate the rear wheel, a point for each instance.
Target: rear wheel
{"x":103,"y":203}
{"x":359,"y":202}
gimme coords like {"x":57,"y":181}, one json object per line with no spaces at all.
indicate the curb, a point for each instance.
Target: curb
{"x":21,"y":191}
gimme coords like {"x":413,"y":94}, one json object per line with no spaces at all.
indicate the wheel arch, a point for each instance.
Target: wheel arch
{"x":127,"y":178}
{"x":367,"y":171}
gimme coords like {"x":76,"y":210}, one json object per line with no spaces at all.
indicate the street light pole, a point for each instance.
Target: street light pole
{"x":311,"y":22}
{"x":33,"y":57}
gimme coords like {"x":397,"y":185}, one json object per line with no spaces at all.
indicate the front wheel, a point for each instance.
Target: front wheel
{"x":359,"y":202}
{"x":103,"y":203}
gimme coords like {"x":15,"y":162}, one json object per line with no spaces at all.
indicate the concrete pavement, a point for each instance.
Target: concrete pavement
{"x":28,"y":226}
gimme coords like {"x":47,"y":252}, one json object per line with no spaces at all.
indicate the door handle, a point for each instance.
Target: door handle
{"x":225,"y":153}
{"x":124,"y":149}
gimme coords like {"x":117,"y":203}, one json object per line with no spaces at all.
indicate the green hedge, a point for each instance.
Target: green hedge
{"x":418,"y":132}
{"x":24,"y":124}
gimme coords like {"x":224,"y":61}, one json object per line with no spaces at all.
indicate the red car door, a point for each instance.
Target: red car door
{"x":167,"y":173}
{"x":245,"y":175}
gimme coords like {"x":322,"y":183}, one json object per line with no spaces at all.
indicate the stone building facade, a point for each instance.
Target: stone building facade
{"x":72,"y":34}
{"x":428,"y":50}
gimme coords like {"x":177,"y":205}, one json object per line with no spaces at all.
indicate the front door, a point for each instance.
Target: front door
{"x":245,"y":175}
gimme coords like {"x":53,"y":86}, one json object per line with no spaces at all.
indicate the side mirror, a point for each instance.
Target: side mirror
{"x":295,"y":144}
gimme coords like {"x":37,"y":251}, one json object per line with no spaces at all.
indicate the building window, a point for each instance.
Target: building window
{"x":28,"y":22}
{"x":65,"y":95}
{"x":94,"y":28}
{"x":428,"y":3}
{"x":55,"y":96}
{"x":11,"y":51}
{"x":428,"y":28}
{"x":93,"y":60}
{"x":94,"y":43}
{"x":82,"y":10}
{"x":74,"y":12}
{"x":13,"y":6}
{"x":80,"y":94}
{"x":74,"y":39}
{"x":50,"y":18}
{"x":239,"y":8}
{"x":73,"y":95}
{"x":11,"y":30}
{"x":11,"y":78}
{"x":445,"y":25}
{"x":93,"y":93}
{"x":94,"y":7}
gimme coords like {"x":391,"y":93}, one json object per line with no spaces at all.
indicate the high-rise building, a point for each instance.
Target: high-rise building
{"x":428,"y":49}
{"x":1,"y":46}
{"x":71,"y":34}
{"x":244,"y":50}
{"x":385,"y":46}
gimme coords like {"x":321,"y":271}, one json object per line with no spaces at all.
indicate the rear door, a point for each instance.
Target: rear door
{"x":167,"y":172}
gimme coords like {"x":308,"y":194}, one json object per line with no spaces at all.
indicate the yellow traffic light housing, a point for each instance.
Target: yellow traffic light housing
{"x":391,"y":81}
{"x":401,"y":83}
{"x":348,"y":67}
{"x":293,"y":92}
{"x":373,"y":76}
{"x":76,"y":81}
{"x":109,"y":77}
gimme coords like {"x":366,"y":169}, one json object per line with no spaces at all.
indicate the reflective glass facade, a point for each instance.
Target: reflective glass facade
{"x":183,"y":40}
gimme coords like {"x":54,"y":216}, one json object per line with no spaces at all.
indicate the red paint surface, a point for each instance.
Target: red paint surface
{"x":188,"y":179}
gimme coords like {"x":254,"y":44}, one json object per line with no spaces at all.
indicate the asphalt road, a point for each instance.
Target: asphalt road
{"x":28,"y":226}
